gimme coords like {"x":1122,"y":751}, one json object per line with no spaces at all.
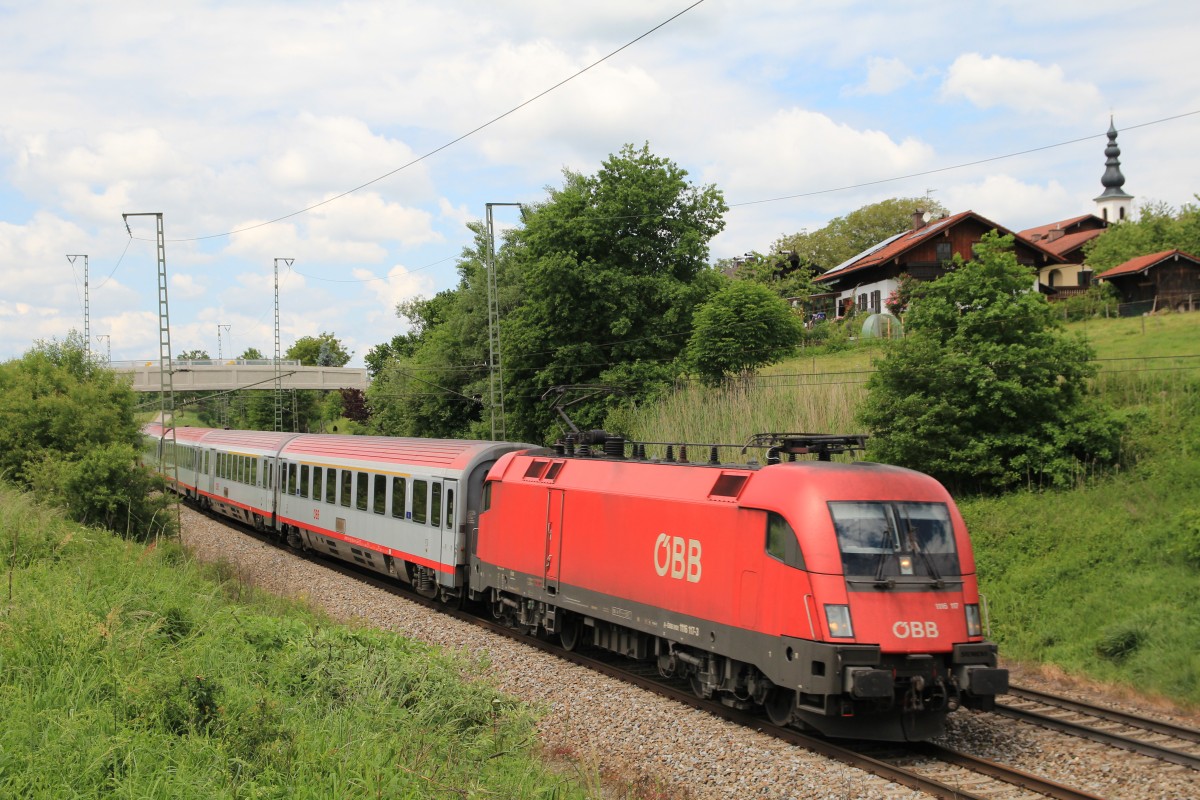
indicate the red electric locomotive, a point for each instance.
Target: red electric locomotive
{"x":838,"y":596}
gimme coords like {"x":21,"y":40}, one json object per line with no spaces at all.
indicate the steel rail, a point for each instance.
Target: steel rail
{"x":1083,"y":730}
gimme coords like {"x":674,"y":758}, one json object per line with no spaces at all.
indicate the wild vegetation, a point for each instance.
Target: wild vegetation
{"x":128,"y":671}
{"x":69,"y":434}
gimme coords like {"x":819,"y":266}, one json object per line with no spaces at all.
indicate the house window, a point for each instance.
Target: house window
{"x":862,"y":302}
{"x":944,"y":252}
{"x":876,"y":301}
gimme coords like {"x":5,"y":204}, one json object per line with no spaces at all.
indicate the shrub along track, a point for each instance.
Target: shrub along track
{"x":609,"y":730}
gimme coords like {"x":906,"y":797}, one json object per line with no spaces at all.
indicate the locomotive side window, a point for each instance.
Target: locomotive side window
{"x":486,"y":502}
{"x":399,"y":487}
{"x":304,"y":480}
{"x":535,"y":468}
{"x":380,"y":498}
{"x":331,"y":486}
{"x":347,"y":479}
{"x":316,"y":487}
{"x":782,"y":542}
{"x":894,"y":540}
{"x":435,"y":509}
{"x":360,"y":495}
{"x":420,"y":503}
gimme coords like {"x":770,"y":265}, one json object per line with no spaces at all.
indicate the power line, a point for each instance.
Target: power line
{"x":747,"y":203}
{"x":454,"y":141}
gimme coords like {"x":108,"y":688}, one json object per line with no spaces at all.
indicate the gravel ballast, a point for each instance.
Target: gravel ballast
{"x":602,"y":726}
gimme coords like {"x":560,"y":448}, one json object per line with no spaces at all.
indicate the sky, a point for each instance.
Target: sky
{"x":247,"y":124}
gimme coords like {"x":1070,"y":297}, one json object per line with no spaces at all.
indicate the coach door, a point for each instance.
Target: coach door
{"x":554,"y":520}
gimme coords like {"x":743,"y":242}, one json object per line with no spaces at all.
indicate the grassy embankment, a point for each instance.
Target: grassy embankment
{"x":128,"y":671}
{"x":1102,"y":580}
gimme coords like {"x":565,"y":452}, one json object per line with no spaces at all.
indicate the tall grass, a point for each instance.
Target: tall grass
{"x":789,"y":403}
{"x":125,"y":671}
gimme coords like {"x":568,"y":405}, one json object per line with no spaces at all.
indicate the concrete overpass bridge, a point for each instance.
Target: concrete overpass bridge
{"x":220,"y":375}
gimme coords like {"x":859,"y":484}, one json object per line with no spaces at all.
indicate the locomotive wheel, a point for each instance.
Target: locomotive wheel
{"x":779,"y":705}
{"x":571,"y":633}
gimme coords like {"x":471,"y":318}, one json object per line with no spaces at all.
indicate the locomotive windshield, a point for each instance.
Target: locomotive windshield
{"x":894,"y":543}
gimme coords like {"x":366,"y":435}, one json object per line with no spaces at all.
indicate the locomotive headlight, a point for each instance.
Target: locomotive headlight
{"x":838,"y":620}
{"x":974,"y":628}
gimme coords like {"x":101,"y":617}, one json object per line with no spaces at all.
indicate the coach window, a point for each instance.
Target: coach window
{"x":347,"y":479}
{"x":420,"y":503}
{"x":435,"y":511}
{"x":399,"y":486}
{"x":449,"y":508}
{"x":316,"y":487}
{"x":361,"y":493}
{"x":331,"y":486}
{"x":379,"y":500}
{"x":293,"y":483}
{"x":304,"y":480}
{"x":781,"y":541}
{"x":206,"y":452}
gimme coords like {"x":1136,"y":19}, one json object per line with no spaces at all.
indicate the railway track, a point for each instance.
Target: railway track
{"x":1167,"y":742}
{"x":934,"y":770}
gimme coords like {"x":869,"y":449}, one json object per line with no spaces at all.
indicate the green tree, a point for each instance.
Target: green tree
{"x":848,"y":236}
{"x":252,"y":354}
{"x":434,"y":379}
{"x":740,"y":328}
{"x":310,"y":351}
{"x":423,"y":315}
{"x":785,"y":274}
{"x":1158,"y":227}
{"x":70,"y":435}
{"x":985,"y":392}
{"x":193,"y":355}
{"x":612,"y":267}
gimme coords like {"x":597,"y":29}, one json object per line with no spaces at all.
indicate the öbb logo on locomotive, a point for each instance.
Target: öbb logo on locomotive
{"x":669,"y":557}
{"x":836,"y":596}
{"x":915,"y":629}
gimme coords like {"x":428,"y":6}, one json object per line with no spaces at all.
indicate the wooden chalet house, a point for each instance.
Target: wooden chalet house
{"x":1170,"y":279}
{"x":1066,"y":240}
{"x":864,"y":282}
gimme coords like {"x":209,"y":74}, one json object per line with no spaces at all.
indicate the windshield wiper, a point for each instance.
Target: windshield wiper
{"x":914,"y":544}
{"x":880,"y":583}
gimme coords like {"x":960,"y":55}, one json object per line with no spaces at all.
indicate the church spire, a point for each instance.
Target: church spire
{"x":1114,"y":203}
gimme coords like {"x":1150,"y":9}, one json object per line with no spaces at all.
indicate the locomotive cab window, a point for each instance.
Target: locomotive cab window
{"x":782,"y":543}
{"x":895,"y":541}
{"x":486,"y":501}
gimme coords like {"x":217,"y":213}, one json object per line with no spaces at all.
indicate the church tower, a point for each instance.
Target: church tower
{"x":1113,"y":204}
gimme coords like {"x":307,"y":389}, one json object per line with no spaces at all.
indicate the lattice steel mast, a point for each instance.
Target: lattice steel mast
{"x":495,"y":370}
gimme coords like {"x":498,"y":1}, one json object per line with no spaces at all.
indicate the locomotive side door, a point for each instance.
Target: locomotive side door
{"x":554,"y":520}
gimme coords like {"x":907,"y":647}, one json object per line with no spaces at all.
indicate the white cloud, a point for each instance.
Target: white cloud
{"x":884,"y":76}
{"x":185,"y":286}
{"x":1020,"y":84}
{"x":1013,"y":203}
